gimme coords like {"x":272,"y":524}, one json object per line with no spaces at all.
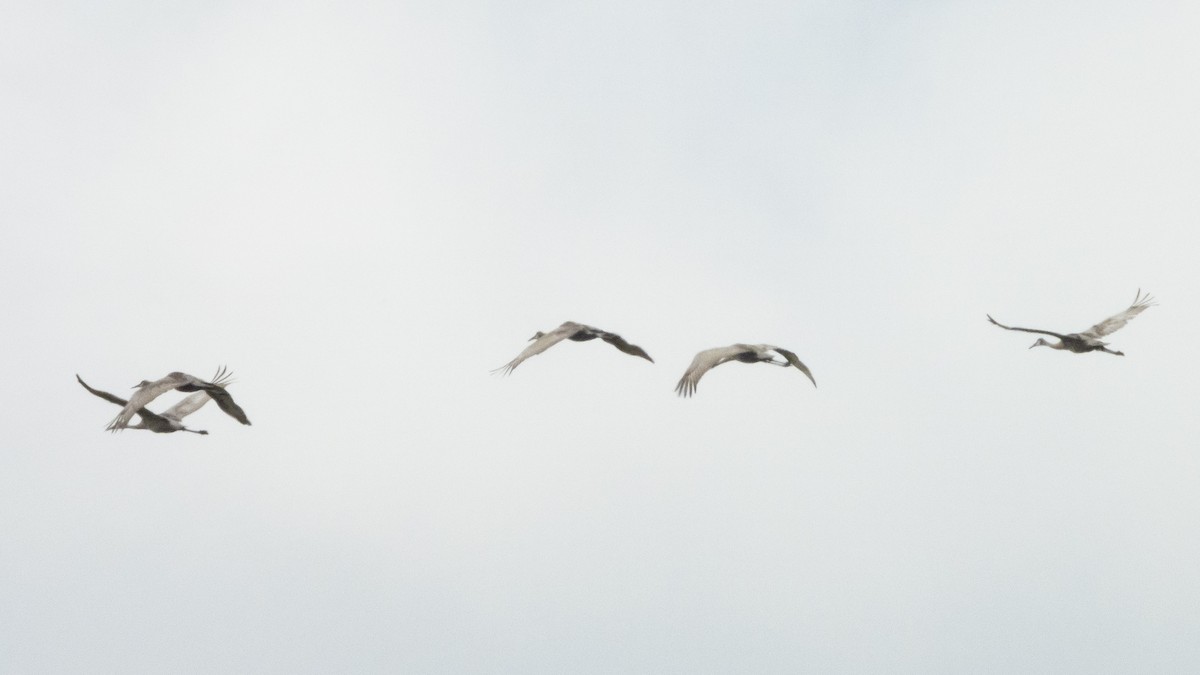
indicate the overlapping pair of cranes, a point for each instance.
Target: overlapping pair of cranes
{"x":1086,"y":341}
{"x":171,"y":420}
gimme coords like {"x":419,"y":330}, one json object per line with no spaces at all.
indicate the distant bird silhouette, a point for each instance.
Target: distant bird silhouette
{"x":147,"y":391}
{"x":1089,"y":340}
{"x":711,"y":358}
{"x":571,"y":331}
{"x":170,"y":421}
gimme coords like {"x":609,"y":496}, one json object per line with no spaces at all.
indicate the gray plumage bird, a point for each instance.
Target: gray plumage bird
{"x":147,"y":391}
{"x":711,"y":358}
{"x":575,"y":332}
{"x":169,"y":421}
{"x":1089,"y":340}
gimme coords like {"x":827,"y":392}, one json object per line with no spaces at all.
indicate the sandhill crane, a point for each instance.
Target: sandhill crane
{"x":147,"y":391}
{"x":711,"y":358}
{"x":571,"y":331}
{"x":171,"y":420}
{"x":1089,"y":340}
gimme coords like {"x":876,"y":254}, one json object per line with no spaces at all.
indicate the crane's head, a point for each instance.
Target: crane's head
{"x":141,"y":384}
{"x":1040,"y":343}
{"x":537,"y":335}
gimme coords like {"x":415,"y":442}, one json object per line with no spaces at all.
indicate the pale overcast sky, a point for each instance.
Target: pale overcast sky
{"x":362,"y":208}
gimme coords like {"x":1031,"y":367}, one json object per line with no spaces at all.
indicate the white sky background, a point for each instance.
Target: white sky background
{"x":362,"y":209}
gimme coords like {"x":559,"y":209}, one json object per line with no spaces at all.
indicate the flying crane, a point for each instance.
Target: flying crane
{"x":711,"y":358}
{"x":1089,"y":340}
{"x":575,"y":332}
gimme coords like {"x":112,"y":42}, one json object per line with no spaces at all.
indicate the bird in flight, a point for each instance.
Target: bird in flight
{"x":711,"y":358}
{"x":169,"y":421}
{"x":147,"y":391}
{"x":1089,"y":340}
{"x":576,"y":332}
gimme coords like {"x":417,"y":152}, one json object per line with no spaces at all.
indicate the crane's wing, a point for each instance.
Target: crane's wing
{"x":1117,"y":321}
{"x":226,"y":403}
{"x":1027,"y":330}
{"x":144,"y":413}
{"x":620,"y":343}
{"x":145,"y":395}
{"x":111,"y":398}
{"x":187,"y":406}
{"x":792,"y":359}
{"x":540,"y":345}
{"x":704,"y":362}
